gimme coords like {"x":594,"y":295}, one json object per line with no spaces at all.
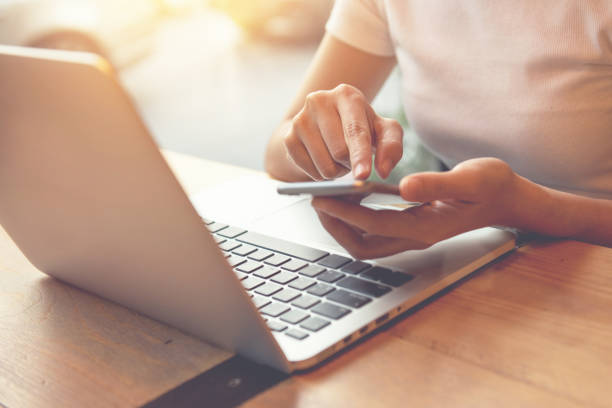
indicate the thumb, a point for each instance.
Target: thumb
{"x":431,"y":186}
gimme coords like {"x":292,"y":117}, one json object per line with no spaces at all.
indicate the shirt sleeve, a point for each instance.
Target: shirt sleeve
{"x":361,"y":24}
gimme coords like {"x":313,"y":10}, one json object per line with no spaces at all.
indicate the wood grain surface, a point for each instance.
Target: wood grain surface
{"x":533,"y":329}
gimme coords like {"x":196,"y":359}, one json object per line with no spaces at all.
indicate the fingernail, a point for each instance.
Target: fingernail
{"x":360,"y":171}
{"x":386,"y":168}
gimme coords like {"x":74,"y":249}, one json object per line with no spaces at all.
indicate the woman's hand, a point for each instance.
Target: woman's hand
{"x":337,"y":131}
{"x":474,"y":194}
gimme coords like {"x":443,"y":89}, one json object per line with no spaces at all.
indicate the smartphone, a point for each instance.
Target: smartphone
{"x":334,"y":188}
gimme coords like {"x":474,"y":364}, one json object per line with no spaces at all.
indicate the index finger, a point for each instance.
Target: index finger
{"x":357,"y":134}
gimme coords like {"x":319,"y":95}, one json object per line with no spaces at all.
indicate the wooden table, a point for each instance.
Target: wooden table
{"x":534,"y":329}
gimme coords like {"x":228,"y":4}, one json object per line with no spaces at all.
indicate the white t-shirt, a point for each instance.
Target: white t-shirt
{"x":529,"y":82}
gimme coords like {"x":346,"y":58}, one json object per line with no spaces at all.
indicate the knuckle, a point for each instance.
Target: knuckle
{"x":340,"y":154}
{"x":300,"y":120}
{"x":345,"y":89}
{"x":328,"y":171}
{"x":350,"y":92}
{"x":315,"y":98}
{"x":502,"y":168}
{"x":356,"y":129}
{"x":357,"y":98}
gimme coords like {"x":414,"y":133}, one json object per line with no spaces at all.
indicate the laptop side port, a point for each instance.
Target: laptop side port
{"x":347,"y":339}
{"x":363,"y":330}
{"x":382,"y":319}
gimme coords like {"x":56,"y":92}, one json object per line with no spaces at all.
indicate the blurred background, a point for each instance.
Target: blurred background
{"x":211,"y":78}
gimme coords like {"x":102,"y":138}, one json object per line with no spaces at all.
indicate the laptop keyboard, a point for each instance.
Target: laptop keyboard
{"x":301,"y":290}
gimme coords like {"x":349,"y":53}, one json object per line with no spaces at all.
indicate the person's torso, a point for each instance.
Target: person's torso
{"x":529,"y":82}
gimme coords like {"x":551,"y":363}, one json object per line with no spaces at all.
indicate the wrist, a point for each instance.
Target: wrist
{"x":530,"y":206}
{"x":543,"y":210}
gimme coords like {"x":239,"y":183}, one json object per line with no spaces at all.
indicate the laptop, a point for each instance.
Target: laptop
{"x":87,"y":196}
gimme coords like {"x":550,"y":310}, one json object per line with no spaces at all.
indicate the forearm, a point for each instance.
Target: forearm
{"x":277,"y":162}
{"x":556,"y":213}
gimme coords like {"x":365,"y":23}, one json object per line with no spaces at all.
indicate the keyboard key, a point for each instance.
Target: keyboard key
{"x":305,"y":302}
{"x":294,"y":265}
{"x":275,"y":309}
{"x":235,"y":260}
{"x":229,"y":245}
{"x":282,"y":246}
{"x":314,"y":323}
{"x":219,"y":239}
{"x":284,"y":277}
{"x":252,"y":282}
{"x":301,"y":283}
{"x":397,"y":279}
{"x":348,"y":298}
{"x":330,"y":310}
{"x":376,"y":273}
{"x":355,"y":267}
{"x":286,"y":295}
{"x":387,"y":276}
{"x":266,"y":271}
{"x":312,"y":270}
{"x":294,"y":316}
{"x":363,"y":286}
{"x":261,"y":254}
{"x":268,"y":289}
{"x":296,"y":334}
{"x":248,"y":266}
{"x":330,"y":276}
{"x":244,"y":250}
{"x":334,"y":261}
{"x":216,"y":226}
{"x":276,"y":326}
{"x":320,"y":289}
{"x":207,"y":221}
{"x":241,"y":275}
{"x":231,"y":232}
{"x":260,"y":301}
{"x":277,"y":260}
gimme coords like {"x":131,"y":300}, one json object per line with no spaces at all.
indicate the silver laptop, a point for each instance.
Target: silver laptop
{"x":89,"y":199}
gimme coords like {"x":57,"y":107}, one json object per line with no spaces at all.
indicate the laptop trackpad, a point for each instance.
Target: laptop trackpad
{"x":298,"y":223}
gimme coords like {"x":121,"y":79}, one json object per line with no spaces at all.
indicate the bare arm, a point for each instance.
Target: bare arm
{"x":475,"y":193}
{"x":335,"y":63}
{"x":556,"y":213}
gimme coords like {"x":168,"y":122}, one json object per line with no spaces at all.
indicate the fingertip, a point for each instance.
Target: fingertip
{"x":361,"y":171}
{"x":389,"y":146}
{"x":411,"y":188}
{"x":384,"y":168}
